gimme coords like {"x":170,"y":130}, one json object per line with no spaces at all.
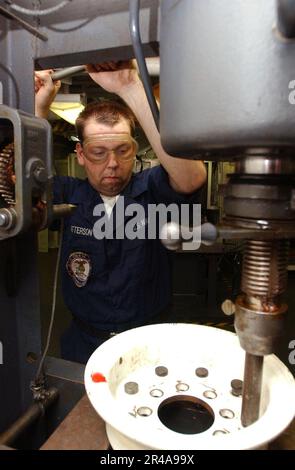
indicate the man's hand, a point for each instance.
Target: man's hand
{"x":114,"y":77}
{"x":45,"y":92}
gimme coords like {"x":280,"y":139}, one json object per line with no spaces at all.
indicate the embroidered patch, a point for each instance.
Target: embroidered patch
{"x":79,"y":268}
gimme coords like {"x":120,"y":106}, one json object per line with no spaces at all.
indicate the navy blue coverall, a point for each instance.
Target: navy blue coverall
{"x":111,"y":285}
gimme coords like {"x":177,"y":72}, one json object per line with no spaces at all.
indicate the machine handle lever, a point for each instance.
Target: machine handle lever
{"x":173,"y":235}
{"x":67,"y":72}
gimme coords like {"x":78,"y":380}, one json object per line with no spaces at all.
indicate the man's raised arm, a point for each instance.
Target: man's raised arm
{"x":185,"y":176}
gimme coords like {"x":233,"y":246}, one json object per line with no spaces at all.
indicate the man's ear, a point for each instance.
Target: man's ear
{"x":80,"y":154}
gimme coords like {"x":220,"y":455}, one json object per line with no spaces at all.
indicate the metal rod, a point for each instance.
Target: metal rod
{"x":24,"y":24}
{"x":134,"y":6}
{"x":251,"y":389}
{"x":67,"y":72}
{"x":63,"y":210}
{"x":153,"y":66}
{"x":32,"y":414}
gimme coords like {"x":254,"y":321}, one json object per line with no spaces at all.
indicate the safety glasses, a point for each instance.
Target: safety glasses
{"x":125,"y":147}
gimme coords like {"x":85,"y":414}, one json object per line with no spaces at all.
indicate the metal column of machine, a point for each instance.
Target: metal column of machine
{"x":68,"y":37}
{"x":259,"y":196}
{"x":231,"y":102}
{"x":19,"y":291}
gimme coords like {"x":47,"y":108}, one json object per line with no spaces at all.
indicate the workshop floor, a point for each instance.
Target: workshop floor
{"x":185,"y":308}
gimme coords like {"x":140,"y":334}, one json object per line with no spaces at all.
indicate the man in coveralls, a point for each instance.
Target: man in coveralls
{"x":113,"y":284}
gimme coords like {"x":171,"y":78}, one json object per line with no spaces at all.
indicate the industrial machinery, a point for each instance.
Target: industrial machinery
{"x":25,"y":170}
{"x":230,"y":102}
{"x":233,"y":103}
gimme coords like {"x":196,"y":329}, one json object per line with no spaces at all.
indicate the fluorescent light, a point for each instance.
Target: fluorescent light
{"x":69,"y":114}
{"x":68,"y":106}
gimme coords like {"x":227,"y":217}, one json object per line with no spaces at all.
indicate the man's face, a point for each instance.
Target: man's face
{"x":104,"y":155}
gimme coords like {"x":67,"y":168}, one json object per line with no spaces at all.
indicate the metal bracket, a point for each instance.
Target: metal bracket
{"x":11,"y":16}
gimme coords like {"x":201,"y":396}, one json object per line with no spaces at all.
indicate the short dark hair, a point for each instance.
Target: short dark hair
{"x":104,"y":112}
